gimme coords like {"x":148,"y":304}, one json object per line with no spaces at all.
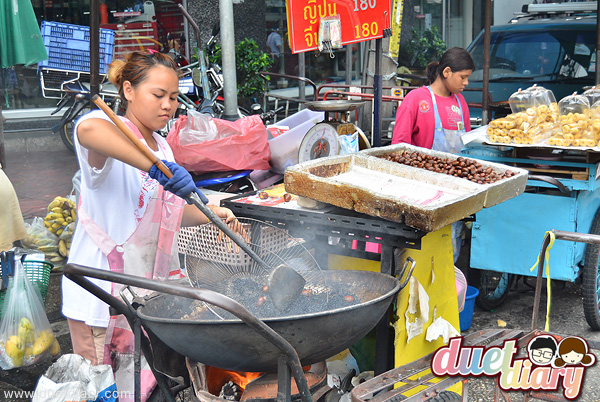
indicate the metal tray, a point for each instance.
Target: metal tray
{"x":421,"y":199}
{"x":341,"y":105}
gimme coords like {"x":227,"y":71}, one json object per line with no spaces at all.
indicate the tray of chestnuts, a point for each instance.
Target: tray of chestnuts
{"x":422,"y":188}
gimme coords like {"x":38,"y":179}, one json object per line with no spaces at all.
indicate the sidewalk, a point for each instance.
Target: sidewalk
{"x":38,"y":177}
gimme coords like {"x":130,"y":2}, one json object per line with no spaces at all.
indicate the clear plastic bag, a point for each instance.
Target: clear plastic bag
{"x":520,"y":101}
{"x":25,"y":333}
{"x":592,"y":94}
{"x":39,"y":237}
{"x":575,"y":123}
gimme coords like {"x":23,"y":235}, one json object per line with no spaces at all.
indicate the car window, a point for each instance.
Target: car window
{"x":559,"y":54}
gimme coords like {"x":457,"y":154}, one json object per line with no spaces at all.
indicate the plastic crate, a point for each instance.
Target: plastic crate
{"x":38,"y":273}
{"x":68,"y":47}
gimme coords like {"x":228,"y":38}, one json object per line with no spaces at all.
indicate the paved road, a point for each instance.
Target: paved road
{"x":566,"y":318}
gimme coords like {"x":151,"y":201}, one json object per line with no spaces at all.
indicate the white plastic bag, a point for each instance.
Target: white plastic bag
{"x":73,"y":377}
{"x":349,"y":143}
{"x":200,"y":128}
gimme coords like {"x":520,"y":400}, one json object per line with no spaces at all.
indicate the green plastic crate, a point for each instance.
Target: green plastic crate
{"x":38,"y":273}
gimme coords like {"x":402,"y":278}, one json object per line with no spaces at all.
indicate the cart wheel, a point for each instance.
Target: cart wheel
{"x":66,"y":135}
{"x":493,"y":287}
{"x":446,"y":396}
{"x":591,"y":280}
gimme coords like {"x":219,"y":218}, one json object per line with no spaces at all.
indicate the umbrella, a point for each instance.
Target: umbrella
{"x":20,"y":37}
{"x":20,"y":42}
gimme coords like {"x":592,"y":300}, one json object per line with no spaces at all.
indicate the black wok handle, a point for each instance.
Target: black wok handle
{"x":551,"y":180}
{"x":413,"y":263}
{"x":214,"y":298}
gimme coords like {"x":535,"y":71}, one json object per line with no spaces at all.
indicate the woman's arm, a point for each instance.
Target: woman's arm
{"x":192,"y":216}
{"x":103,"y":140}
{"x":406,"y":117}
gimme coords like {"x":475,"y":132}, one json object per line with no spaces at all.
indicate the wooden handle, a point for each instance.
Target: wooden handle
{"x":132,"y":137}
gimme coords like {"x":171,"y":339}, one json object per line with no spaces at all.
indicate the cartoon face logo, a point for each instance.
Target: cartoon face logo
{"x":542,"y":350}
{"x":573,"y":351}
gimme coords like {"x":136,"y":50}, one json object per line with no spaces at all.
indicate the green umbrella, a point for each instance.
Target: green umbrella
{"x":20,"y":37}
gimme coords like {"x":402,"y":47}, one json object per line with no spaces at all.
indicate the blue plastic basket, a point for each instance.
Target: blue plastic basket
{"x":68,"y":47}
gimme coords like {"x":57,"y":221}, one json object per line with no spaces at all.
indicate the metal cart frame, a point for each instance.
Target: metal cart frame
{"x":561,"y":194}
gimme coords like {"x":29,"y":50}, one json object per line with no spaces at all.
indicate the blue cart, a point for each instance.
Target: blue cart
{"x":562,"y":194}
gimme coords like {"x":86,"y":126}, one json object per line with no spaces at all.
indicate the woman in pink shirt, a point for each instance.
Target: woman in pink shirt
{"x":435,"y":116}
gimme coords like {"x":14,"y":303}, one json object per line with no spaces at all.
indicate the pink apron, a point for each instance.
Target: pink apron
{"x":151,"y":252}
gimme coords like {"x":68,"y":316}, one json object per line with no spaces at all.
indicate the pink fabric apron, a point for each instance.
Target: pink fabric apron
{"x":151,"y":252}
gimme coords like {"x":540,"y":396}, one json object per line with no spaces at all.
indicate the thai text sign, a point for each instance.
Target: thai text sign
{"x":361,"y":20}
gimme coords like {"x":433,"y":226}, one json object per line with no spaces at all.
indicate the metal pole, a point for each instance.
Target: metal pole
{"x":301,"y":73}
{"x":349,"y":64}
{"x":94,"y":47}
{"x":444,"y":21}
{"x":228,"y":58}
{"x":377,"y":88}
{"x":486,"y":62}
{"x":186,"y":33}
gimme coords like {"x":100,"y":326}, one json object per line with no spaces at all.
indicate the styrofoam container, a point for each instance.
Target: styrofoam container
{"x":284,"y":148}
{"x":496,"y":193}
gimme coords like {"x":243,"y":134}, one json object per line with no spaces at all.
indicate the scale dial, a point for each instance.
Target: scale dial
{"x":320,"y":141}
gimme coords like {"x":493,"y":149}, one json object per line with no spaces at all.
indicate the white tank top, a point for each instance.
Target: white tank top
{"x":115,"y":197}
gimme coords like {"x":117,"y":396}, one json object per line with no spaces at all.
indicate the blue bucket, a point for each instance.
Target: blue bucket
{"x":466,"y":316}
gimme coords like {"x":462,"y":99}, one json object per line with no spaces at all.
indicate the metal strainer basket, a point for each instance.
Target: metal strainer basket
{"x":212,"y":261}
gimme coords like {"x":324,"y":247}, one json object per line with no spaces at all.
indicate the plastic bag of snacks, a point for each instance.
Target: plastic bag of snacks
{"x":575,"y":124}
{"x":519,"y":101}
{"x":534,"y":113}
{"x":25,"y":333}
{"x":592,"y":94}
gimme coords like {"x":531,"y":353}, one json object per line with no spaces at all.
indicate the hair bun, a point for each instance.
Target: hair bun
{"x":114,"y":71}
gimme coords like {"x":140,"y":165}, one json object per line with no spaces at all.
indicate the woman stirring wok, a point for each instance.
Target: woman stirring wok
{"x":127,"y":221}
{"x":435,"y":116}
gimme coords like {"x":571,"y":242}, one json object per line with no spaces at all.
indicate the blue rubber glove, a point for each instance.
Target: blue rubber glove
{"x":180,"y":184}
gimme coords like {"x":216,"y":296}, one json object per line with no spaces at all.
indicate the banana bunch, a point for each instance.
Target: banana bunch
{"x":61,"y":212}
{"x":26,"y":345}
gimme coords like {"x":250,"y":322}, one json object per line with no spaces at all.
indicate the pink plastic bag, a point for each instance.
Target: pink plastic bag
{"x":238,"y":145}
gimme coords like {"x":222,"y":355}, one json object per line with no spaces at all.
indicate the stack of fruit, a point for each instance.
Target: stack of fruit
{"x":62,"y":213}
{"x":26,"y":346}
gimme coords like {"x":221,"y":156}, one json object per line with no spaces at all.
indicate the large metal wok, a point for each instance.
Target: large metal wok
{"x":233,"y":345}
{"x":240,"y":344}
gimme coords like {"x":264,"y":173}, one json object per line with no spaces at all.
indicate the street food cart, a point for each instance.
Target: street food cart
{"x":406,"y":210}
{"x":562,"y":193}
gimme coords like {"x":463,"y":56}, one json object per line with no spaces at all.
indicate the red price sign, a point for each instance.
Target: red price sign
{"x":361,"y":20}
